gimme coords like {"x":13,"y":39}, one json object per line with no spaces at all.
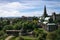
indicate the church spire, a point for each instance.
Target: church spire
{"x":45,"y":12}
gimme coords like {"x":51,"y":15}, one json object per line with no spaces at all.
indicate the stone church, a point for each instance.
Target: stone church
{"x":54,"y":16}
{"x":49,"y":20}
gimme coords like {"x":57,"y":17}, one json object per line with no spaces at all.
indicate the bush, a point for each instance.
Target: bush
{"x":54,"y":35}
{"x":20,"y":38}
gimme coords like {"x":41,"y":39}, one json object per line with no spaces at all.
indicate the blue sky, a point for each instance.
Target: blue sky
{"x":17,"y":8}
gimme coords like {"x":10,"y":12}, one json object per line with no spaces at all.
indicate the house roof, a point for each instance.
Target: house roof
{"x":57,"y":14}
{"x":47,"y":18}
{"x":51,"y":24}
{"x":12,"y":30}
{"x":45,"y":22}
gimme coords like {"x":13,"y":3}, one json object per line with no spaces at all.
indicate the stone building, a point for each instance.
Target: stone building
{"x":49,"y":20}
{"x":13,"y":32}
{"x":54,"y":16}
{"x":51,"y":27}
{"x":45,"y":13}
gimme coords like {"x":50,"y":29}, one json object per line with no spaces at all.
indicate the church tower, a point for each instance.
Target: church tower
{"x":45,"y":12}
{"x":54,"y":16}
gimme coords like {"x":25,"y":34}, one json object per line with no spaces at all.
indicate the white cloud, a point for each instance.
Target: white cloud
{"x":13,"y":9}
{"x":4,"y":13}
{"x":10,"y":9}
{"x":35,"y":13}
{"x":16,"y":5}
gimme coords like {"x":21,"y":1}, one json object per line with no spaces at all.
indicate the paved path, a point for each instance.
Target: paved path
{"x":9,"y":37}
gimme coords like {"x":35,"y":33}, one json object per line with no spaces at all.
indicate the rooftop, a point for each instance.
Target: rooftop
{"x":51,"y":24}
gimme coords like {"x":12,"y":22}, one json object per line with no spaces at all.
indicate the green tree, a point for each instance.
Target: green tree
{"x":54,"y":35}
{"x":8,"y":27}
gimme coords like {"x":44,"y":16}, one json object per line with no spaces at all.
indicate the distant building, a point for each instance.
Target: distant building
{"x":51,"y":27}
{"x":19,"y":32}
{"x":46,"y":20}
{"x":13,"y":32}
{"x":49,"y":20}
{"x":54,"y":16}
{"x":45,"y":13}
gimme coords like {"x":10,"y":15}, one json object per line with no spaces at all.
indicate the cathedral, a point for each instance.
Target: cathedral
{"x":50,"y":21}
{"x":54,"y":16}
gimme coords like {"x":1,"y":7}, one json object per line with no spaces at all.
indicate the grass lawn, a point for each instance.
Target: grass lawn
{"x":13,"y":38}
{"x":24,"y":37}
{"x":28,"y":38}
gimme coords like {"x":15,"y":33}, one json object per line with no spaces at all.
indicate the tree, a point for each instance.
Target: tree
{"x":17,"y":26}
{"x":8,"y":27}
{"x":54,"y":35}
{"x":42,"y":35}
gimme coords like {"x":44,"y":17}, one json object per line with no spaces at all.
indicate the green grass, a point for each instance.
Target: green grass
{"x":13,"y":38}
{"x":28,"y":38}
{"x":17,"y":38}
{"x":24,"y":37}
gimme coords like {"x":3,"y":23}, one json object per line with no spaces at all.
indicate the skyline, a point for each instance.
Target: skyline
{"x":17,"y":8}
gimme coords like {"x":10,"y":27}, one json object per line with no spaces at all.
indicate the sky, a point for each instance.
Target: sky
{"x":18,"y":8}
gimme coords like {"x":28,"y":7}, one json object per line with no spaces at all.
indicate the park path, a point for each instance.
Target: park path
{"x":9,"y":37}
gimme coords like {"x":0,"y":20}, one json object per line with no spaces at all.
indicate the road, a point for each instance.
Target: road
{"x":9,"y":37}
